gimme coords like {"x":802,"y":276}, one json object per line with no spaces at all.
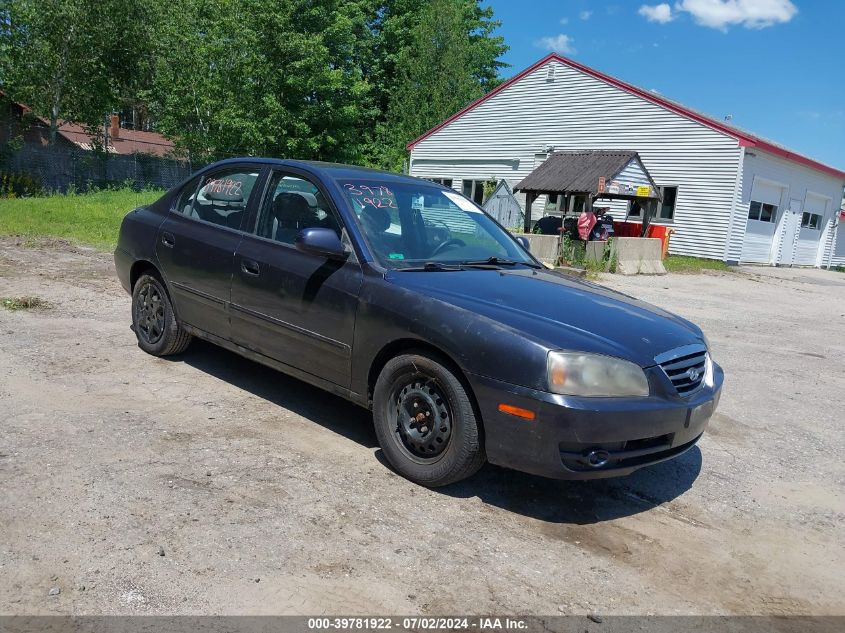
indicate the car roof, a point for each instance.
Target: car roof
{"x":329,"y":170}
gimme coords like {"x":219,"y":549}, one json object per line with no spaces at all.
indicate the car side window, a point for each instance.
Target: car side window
{"x":222,"y":197}
{"x":185,"y":200}
{"x":293,"y":203}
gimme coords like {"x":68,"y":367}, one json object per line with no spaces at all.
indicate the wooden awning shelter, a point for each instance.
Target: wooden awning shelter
{"x":605,"y":174}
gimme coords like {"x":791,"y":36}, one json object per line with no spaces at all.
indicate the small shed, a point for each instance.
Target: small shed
{"x":605,"y":174}
{"x":504,"y":206}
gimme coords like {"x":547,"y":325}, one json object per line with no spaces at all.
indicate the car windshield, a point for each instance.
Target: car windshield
{"x":409,"y":225}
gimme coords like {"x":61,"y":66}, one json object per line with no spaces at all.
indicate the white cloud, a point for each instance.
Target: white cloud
{"x":564,"y":21}
{"x":558,"y":43}
{"x":585,"y":15}
{"x":752,"y":14}
{"x":661,"y":13}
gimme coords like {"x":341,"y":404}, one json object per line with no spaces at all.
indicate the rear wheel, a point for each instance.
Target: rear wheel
{"x":153,"y":320}
{"x":425,"y":422}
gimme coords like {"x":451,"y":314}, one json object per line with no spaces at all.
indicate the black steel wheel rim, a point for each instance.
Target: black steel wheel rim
{"x":149,"y":313}
{"x":423,"y":419}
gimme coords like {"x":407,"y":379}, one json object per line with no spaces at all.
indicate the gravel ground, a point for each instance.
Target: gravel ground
{"x":208,"y":484}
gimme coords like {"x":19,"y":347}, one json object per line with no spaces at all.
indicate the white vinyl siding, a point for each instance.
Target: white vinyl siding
{"x":632,"y":175}
{"x":834,"y":252}
{"x":501,"y":137}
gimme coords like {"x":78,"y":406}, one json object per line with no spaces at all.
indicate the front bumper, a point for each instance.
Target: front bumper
{"x":590,"y":438}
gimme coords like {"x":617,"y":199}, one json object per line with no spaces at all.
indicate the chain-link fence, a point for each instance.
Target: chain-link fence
{"x":59,"y":168}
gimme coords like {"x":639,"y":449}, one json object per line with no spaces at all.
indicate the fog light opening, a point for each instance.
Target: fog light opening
{"x":597,"y":458}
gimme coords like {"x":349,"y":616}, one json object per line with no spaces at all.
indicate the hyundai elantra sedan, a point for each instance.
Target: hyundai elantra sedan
{"x":404,"y":297}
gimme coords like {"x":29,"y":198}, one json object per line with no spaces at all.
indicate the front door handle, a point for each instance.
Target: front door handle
{"x":168,"y":239}
{"x":250,"y":267}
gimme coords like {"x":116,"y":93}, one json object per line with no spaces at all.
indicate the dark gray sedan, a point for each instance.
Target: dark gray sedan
{"x":403,"y":296}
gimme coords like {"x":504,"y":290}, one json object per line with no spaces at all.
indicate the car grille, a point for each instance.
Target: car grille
{"x":685,"y":368}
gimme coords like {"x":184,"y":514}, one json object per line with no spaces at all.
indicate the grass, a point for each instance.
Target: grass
{"x":686,"y":264}
{"x":23,"y":303}
{"x":91,"y":218}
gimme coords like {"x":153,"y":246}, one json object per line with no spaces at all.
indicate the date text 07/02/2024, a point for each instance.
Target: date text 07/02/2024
{"x":414,"y":623}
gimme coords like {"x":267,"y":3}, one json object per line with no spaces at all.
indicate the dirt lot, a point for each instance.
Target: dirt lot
{"x":209,"y":484}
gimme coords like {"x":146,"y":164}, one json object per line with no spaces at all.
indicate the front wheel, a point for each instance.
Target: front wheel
{"x":153,"y":319}
{"x":425,"y":422}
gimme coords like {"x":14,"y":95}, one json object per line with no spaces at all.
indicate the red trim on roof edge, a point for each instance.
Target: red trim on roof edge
{"x":745,"y":139}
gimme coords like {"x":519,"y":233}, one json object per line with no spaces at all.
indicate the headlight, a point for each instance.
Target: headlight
{"x":579,"y":374}
{"x":709,"y":378}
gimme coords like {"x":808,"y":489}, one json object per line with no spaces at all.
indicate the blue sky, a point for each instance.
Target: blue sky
{"x":776,"y":66}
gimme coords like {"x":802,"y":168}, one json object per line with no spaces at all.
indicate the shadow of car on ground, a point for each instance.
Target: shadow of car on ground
{"x":549,"y":500}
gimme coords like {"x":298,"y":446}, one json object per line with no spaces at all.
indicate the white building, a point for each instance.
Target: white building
{"x":728,"y":194}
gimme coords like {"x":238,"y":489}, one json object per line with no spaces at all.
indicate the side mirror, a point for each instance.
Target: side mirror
{"x":322,"y":242}
{"x":526,"y":244}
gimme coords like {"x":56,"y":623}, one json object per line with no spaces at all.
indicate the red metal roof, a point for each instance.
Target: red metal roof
{"x":746,"y":139}
{"x":128,"y":141}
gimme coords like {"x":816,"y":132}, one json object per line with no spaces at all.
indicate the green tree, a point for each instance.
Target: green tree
{"x":452,"y":59}
{"x":71,"y":60}
{"x":253,"y":77}
{"x":330,"y":80}
{"x":344,"y":80}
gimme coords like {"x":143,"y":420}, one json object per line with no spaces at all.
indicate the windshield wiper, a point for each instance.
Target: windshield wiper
{"x":498,"y":261}
{"x":431,"y":267}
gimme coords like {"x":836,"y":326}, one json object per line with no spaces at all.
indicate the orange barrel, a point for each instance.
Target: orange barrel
{"x":669,"y":232}
{"x":661,"y":233}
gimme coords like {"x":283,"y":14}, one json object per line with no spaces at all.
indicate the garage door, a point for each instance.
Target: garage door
{"x":812,"y":226}
{"x":762,"y":222}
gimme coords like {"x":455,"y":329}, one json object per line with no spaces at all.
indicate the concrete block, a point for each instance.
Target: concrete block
{"x":546,"y":248}
{"x":595,"y":254}
{"x":572,"y":271}
{"x":639,"y":256}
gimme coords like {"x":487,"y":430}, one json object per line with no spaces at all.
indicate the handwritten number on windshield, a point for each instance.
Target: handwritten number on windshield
{"x":380,"y":197}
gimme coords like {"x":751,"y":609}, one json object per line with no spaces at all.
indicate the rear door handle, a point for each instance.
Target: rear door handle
{"x":250,"y":267}
{"x":168,"y":239}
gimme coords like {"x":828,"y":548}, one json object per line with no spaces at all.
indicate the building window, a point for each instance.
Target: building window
{"x":554,"y":202}
{"x":811,"y":221}
{"x":578,"y":204}
{"x":667,"y":207}
{"x":474,"y":189}
{"x":762,"y":211}
{"x":661,"y":210}
{"x":446,"y":182}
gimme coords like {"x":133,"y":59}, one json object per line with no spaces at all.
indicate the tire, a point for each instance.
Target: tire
{"x":420,"y":451}
{"x":153,"y":320}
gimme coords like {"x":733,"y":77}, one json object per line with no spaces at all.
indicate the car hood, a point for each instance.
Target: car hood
{"x":558,"y":310}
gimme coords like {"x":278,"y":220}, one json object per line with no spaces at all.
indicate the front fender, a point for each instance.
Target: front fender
{"x":477,"y":344}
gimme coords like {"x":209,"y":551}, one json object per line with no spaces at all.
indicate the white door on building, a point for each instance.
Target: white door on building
{"x":812,"y":223}
{"x":763,"y":214}
{"x":788,"y":232}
